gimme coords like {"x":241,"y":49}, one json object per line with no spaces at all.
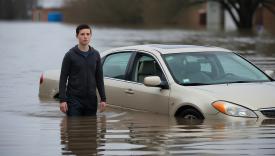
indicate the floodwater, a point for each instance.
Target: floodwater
{"x":30,"y":126}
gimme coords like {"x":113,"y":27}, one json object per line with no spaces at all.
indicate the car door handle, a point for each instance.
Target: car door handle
{"x":129,"y":91}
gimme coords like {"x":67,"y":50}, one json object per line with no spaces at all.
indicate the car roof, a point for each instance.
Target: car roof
{"x":168,"y":49}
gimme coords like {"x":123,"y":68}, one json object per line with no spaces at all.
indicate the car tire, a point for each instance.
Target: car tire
{"x":191,"y":114}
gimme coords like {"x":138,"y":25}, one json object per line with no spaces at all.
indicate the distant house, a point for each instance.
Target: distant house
{"x":198,"y":17}
{"x":47,"y":14}
{"x":48,"y":10}
{"x":264,"y":19}
{"x":194,"y":17}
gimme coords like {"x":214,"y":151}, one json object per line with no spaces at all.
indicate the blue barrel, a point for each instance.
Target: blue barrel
{"x":55,"y":16}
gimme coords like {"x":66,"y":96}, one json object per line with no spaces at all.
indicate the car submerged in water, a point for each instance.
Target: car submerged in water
{"x":187,"y":81}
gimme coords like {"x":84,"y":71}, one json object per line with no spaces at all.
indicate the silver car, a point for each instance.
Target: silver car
{"x":192,"y":82}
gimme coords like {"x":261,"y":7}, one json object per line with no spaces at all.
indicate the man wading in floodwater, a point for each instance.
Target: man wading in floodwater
{"x":81,"y":67}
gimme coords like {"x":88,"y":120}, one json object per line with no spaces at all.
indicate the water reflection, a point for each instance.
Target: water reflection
{"x":79,"y":135}
{"x":136,"y":133}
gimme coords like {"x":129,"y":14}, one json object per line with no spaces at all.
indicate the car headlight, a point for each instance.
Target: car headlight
{"x":233,"y":109}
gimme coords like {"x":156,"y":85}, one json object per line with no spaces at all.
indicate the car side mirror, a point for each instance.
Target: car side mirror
{"x":155,"y":81}
{"x":270,"y":73}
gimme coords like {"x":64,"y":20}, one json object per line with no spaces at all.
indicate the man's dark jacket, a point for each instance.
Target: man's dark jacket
{"x":84,"y":75}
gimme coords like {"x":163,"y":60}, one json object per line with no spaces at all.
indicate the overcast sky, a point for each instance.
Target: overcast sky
{"x":50,"y":3}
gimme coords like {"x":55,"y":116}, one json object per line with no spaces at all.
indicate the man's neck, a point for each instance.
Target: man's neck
{"x":83,"y":48}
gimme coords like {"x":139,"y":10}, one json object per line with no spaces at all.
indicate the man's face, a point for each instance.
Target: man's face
{"x":84,"y":36}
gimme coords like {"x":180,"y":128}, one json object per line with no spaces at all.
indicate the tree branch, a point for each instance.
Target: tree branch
{"x":227,"y":7}
{"x":255,"y":5}
{"x":269,"y":8}
{"x":233,"y":4}
{"x":269,"y":2}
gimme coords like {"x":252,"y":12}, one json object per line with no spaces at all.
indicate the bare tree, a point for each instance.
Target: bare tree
{"x":243,"y":11}
{"x":6,"y":9}
{"x":157,"y":12}
{"x":104,"y":11}
{"x":142,"y":12}
{"x":16,"y":9}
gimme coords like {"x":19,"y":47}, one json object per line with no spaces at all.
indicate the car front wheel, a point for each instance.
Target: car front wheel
{"x":191,"y":114}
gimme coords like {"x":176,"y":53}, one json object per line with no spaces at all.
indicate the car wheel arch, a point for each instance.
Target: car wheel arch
{"x":188,"y":107}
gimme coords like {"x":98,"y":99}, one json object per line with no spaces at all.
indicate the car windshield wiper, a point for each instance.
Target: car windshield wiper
{"x":241,"y":81}
{"x":194,"y":84}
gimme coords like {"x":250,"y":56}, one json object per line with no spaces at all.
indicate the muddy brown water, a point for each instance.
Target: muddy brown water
{"x":30,"y":126}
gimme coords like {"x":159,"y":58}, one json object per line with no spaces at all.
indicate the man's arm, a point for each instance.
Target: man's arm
{"x":100,"y":80}
{"x":66,"y":63}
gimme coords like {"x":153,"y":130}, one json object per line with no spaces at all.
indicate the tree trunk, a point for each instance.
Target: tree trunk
{"x":246,"y":19}
{"x":246,"y":13}
{"x":244,"y":9}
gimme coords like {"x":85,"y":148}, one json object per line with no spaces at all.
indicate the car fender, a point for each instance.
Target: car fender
{"x":49,"y":84}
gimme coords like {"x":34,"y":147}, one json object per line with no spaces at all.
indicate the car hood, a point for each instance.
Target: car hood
{"x":250,"y":95}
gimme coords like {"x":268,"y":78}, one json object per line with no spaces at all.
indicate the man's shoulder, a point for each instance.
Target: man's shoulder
{"x":70,"y":52}
{"x":94,"y":50}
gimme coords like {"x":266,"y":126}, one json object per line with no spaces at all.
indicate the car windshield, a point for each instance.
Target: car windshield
{"x":206,"y":68}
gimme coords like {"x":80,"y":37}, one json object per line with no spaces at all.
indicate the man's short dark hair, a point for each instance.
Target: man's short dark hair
{"x":82,"y":26}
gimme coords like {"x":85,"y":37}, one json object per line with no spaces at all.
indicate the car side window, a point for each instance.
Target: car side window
{"x":145,"y":65}
{"x":115,"y":65}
